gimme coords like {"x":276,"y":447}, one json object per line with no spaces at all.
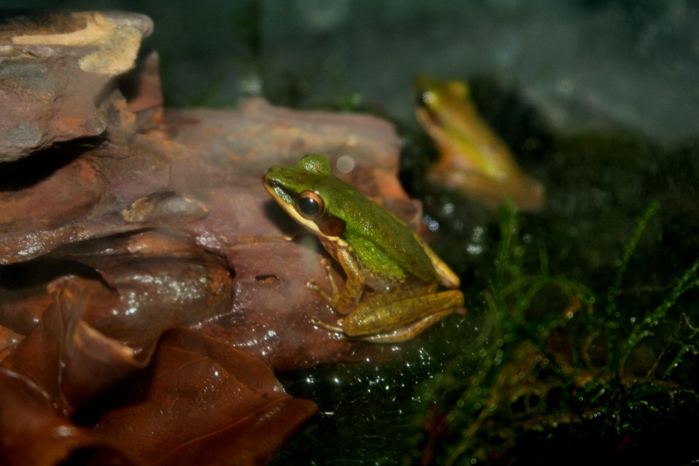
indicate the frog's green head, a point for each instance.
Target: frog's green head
{"x":310,"y":194}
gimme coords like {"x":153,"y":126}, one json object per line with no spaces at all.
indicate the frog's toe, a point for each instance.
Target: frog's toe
{"x":312,"y":285}
{"x":325,"y":263}
{"x":333,"y":328}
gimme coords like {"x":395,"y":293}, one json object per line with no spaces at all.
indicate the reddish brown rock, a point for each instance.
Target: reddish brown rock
{"x":256,"y":136}
{"x":57,"y":70}
{"x":71,"y":190}
{"x":214,"y":206}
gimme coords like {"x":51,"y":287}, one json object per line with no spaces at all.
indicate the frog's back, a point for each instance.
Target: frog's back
{"x":386,"y":247}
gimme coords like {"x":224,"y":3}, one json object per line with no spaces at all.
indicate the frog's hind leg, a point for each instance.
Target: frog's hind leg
{"x":396,"y":336}
{"x":408,"y":332}
{"x":387,"y":323}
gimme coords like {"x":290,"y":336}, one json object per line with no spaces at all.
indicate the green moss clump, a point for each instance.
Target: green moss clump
{"x":570,"y":375}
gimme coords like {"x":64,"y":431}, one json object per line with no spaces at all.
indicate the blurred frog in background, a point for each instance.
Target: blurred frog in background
{"x":472,"y":158}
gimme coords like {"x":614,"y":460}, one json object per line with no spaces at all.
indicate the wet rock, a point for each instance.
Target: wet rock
{"x":165,"y":199}
{"x":68,"y":193}
{"x":248,"y":141}
{"x":57,"y":69}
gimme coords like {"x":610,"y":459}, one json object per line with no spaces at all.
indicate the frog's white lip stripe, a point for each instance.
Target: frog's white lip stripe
{"x":280,"y":192}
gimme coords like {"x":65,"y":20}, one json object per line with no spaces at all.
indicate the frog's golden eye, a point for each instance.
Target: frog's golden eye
{"x":310,"y":205}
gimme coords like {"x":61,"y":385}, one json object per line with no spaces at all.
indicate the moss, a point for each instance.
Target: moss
{"x":562,"y":377}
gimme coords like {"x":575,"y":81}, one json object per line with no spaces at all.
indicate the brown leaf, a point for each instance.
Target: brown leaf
{"x":199,"y":396}
{"x":23,"y":295}
{"x":67,"y":358}
{"x":33,"y":433}
{"x":8,"y":341}
{"x":250,"y":441}
{"x":205,"y":402}
{"x":161,"y":282}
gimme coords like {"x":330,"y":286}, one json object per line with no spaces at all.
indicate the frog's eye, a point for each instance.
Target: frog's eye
{"x":310,"y":205}
{"x":426,"y":98}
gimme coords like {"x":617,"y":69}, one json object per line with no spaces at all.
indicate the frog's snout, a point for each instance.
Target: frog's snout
{"x":268,"y":179}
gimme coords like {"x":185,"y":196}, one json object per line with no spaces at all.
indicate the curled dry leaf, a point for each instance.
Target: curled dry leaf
{"x":203,"y":401}
{"x":35,"y":434}
{"x":71,"y":361}
{"x":8,"y":341}
{"x":195,"y":393}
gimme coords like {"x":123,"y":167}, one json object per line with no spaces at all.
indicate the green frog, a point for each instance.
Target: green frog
{"x":375,"y":249}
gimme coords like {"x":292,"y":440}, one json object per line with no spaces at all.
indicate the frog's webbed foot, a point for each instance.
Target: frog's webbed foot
{"x":336,"y":329}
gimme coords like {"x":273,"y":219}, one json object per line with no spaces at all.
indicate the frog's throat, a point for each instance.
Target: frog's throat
{"x":310,"y":225}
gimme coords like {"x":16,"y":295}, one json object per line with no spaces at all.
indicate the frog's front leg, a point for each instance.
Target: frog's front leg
{"x":344,"y":301}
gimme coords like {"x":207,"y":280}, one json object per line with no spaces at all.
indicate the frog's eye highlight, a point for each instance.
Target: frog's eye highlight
{"x":426,"y":98}
{"x":310,"y":205}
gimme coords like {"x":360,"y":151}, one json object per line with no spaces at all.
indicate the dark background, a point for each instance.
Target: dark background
{"x":581,"y":62}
